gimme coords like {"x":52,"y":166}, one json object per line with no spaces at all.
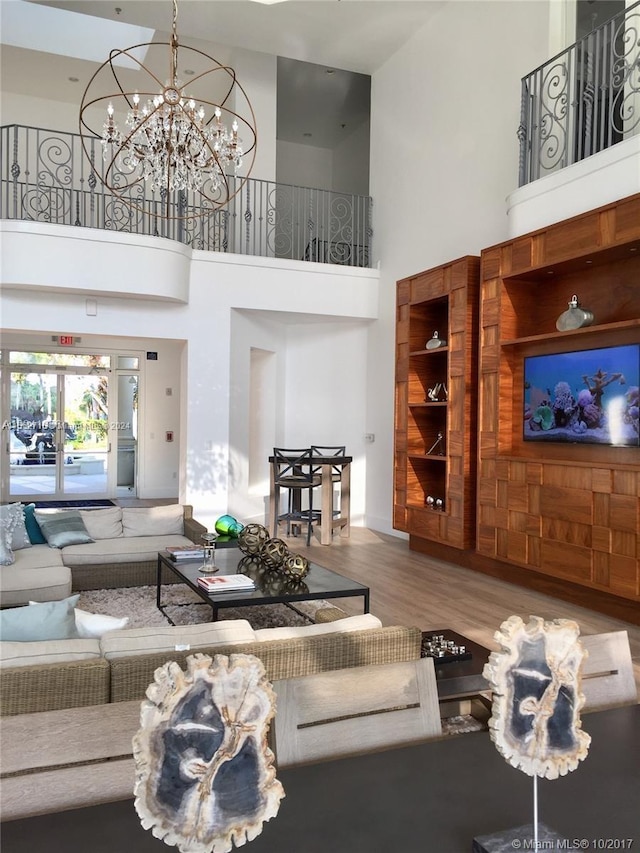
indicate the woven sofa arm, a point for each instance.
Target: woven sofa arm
{"x":193,"y":529}
{"x":50,"y":687}
{"x":130,"y":676}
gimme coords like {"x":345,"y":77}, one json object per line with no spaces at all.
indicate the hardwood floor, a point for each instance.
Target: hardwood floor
{"x":413,"y":589}
{"x":409,"y":588}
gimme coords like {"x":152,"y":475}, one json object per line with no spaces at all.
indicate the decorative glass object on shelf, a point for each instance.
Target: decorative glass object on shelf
{"x":438,"y":443}
{"x":574,"y":317}
{"x":434,"y":503}
{"x":435,"y":342}
{"x":437,"y":394}
{"x":208,"y":566}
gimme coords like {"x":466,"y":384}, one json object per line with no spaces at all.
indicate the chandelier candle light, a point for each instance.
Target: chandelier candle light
{"x":168,"y":141}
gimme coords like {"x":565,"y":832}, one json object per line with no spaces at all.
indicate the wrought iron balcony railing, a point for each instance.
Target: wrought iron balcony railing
{"x":583,"y":100}
{"x":46,"y":177}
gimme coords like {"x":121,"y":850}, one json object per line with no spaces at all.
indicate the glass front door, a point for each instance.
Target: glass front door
{"x":59,"y":433}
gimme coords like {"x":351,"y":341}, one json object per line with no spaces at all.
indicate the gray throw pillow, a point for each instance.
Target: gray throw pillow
{"x":62,"y":528}
{"x":8,"y":523}
{"x":20,"y":538}
{"x":48,"y":620}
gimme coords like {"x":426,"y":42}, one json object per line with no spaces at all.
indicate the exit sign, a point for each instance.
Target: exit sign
{"x":66,"y":340}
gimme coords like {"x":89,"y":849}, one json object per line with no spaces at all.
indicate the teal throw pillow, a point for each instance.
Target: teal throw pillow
{"x":63,"y":528}
{"x":33,"y":528}
{"x":48,"y":620}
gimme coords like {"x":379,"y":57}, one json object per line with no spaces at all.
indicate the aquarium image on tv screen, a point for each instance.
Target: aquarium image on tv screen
{"x":588,"y":396}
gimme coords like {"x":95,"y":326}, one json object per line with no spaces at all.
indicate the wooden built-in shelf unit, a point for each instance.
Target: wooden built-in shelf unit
{"x":435,"y":450}
{"x":568,"y":511}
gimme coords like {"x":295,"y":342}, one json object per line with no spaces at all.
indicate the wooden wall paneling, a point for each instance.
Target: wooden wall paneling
{"x":571,"y":512}
{"x":626,"y":215}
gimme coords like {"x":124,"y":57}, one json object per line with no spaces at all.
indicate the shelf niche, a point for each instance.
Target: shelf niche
{"x":436,"y":396}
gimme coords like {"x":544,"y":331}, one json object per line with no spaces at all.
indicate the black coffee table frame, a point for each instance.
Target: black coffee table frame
{"x":319,"y":583}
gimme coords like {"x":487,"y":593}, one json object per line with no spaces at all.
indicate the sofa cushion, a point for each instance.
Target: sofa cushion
{"x":37,"y":573}
{"x":153,"y":520}
{"x":62,"y":527}
{"x":351,"y":623}
{"x":50,"y":651}
{"x":136,"y":641}
{"x":103,"y":523}
{"x":33,"y":528}
{"x":37,"y":557}
{"x":50,"y":620}
{"x":124,"y":550}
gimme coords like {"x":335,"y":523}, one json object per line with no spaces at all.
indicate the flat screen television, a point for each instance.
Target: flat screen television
{"x":588,"y":396}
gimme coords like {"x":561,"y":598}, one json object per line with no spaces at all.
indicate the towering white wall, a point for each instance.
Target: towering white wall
{"x":204,"y":345}
{"x":444,"y":156}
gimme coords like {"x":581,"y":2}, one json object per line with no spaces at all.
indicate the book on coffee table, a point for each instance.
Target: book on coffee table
{"x":222,"y":583}
{"x":185,"y":552}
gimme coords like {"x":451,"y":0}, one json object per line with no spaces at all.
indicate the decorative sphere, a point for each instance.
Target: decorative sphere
{"x":273,"y":553}
{"x":295,"y":566}
{"x":252,"y":538}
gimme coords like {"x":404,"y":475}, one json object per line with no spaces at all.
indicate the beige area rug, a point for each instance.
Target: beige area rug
{"x":139,"y":605}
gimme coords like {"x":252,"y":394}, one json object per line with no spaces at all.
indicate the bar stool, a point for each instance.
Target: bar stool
{"x":293,"y":470}
{"x":336,"y":470}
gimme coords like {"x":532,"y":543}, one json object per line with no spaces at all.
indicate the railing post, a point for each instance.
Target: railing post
{"x":523,"y":136}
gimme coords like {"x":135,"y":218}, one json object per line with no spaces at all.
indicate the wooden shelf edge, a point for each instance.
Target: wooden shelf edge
{"x":429,"y":351}
{"x":427,"y":509}
{"x":586,"y":330}
{"x":431,"y":404}
{"x":434,"y":457}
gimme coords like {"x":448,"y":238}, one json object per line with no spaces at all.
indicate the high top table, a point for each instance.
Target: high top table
{"x":434,"y":797}
{"x":328,"y":522}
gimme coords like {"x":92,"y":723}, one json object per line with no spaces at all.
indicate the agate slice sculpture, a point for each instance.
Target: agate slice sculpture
{"x":536,"y":683}
{"x":205,"y":777}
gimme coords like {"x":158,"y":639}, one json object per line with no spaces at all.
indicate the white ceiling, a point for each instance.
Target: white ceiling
{"x":341,"y":35}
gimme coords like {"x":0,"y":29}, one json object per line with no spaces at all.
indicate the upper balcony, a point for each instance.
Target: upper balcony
{"x":582,"y":101}
{"x":580,"y":127}
{"x":45,"y":177}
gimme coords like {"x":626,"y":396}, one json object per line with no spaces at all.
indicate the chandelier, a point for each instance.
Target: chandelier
{"x":159,"y":137}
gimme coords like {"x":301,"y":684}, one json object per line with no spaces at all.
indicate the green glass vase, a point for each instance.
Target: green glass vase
{"x":227,"y":525}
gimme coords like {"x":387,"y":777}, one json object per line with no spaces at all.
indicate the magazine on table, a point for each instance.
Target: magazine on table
{"x":222,"y":583}
{"x":185,"y":552}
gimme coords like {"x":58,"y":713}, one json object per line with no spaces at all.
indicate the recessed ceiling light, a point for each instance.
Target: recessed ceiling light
{"x":588,"y":262}
{"x":73,"y":79}
{"x":306,"y":134}
{"x":189,"y":72}
{"x":331,"y":70}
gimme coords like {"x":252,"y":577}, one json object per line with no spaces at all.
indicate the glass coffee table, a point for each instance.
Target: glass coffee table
{"x":270,"y":587}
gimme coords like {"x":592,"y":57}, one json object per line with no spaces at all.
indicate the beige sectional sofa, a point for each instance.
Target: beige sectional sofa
{"x":69,"y":718}
{"x":119,"y":666}
{"x":124,"y":552}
